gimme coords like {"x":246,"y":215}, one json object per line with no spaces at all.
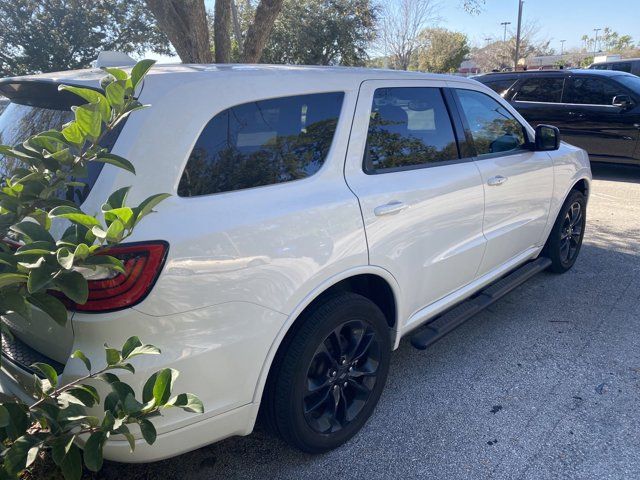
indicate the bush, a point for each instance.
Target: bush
{"x":39,"y":271}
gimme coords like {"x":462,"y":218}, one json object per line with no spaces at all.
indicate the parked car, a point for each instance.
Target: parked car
{"x":318,"y":216}
{"x":629,"y":65}
{"x":598,"y":110}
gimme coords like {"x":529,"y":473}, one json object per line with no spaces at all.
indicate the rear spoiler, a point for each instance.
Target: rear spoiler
{"x":40,"y":93}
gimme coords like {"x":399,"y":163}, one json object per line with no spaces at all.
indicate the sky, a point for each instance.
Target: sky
{"x":557,"y":19}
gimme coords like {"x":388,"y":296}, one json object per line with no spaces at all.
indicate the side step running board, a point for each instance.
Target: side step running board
{"x":445,"y":323}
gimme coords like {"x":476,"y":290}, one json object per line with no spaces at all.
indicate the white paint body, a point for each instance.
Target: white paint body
{"x":242,"y":265}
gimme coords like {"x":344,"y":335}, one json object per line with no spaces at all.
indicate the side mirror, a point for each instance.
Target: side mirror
{"x":622,"y":101}
{"x":547,"y":138}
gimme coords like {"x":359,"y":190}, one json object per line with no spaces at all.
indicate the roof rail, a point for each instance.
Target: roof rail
{"x":113,"y":59}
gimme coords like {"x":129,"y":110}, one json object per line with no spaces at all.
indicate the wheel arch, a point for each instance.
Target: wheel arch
{"x":384,"y":292}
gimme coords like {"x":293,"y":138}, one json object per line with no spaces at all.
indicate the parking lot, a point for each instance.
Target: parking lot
{"x":544,"y":384}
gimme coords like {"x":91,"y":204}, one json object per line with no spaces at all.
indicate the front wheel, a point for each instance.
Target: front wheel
{"x":326,"y":381}
{"x":566,"y":236}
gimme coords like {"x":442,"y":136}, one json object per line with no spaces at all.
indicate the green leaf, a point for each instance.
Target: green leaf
{"x":33,"y":231}
{"x":188,"y":402}
{"x":117,"y":73}
{"x":39,"y":277}
{"x":65,"y":258}
{"x":32,"y":455}
{"x":91,"y":96}
{"x":131,"y":405}
{"x":129,"y":346}
{"x":115,"y":232}
{"x":74,"y":215}
{"x":71,"y":464}
{"x":147,"y":205}
{"x":15,"y":302}
{"x":5,"y":418}
{"x":48,"y":371}
{"x":106,"y":261}
{"x":89,"y":119}
{"x":15,"y":458}
{"x":49,"y":305}
{"x":93,"y":451}
{"x":117,"y":198}
{"x":148,"y":431}
{"x":163,"y":385}
{"x":60,"y":446}
{"x":115,"y":92}
{"x":72,"y":133}
{"x":144,"y":350}
{"x":73,"y":285}
{"x":19,"y":420}
{"x":113,"y":355}
{"x":11,"y":278}
{"x":108,"y":377}
{"x":115,"y":160}
{"x":82,"y":251}
{"x":124,"y":214}
{"x":98,"y":232}
{"x":80,"y":355}
{"x":84,"y":395}
{"x":140,"y":70}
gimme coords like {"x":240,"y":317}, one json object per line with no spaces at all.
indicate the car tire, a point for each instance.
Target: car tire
{"x":329,"y":373}
{"x":565,"y":239}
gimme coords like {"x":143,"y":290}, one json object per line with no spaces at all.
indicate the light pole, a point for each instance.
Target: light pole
{"x":504,"y":36}
{"x":520,"y":2}
{"x":562,"y":46}
{"x":595,"y":42}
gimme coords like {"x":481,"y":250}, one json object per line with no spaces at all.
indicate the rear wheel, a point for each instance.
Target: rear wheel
{"x":565,"y":239}
{"x":328,"y":377}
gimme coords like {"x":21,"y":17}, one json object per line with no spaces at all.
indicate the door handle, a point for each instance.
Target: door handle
{"x":576,"y":114}
{"x":390,"y":208}
{"x":497,"y":180}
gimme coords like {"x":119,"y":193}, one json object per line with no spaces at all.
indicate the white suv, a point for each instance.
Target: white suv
{"x":318,"y":215}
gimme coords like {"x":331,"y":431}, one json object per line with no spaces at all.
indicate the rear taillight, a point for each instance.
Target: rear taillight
{"x":142,"y":262}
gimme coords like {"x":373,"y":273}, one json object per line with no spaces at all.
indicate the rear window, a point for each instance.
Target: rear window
{"x":547,"y":90}
{"x":23,"y":117}
{"x":592,"y":91}
{"x":262,"y":143}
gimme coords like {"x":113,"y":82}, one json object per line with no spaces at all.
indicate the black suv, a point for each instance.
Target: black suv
{"x":598,"y":110}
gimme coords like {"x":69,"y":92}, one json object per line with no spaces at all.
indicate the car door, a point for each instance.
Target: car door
{"x":518,"y":182}
{"x":421,"y":204}
{"x":602,"y":129}
{"x":538,"y":99}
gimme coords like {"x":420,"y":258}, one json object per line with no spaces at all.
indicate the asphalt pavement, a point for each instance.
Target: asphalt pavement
{"x":545,"y":384}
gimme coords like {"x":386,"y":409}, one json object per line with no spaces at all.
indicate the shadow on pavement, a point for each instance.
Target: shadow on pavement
{"x":616,"y":172}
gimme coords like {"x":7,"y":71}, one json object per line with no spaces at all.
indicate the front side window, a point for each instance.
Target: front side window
{"x":541,"y":90}
{"x":500,"y":86}
{"x":262,"y":143}
{"x":591,"y":91}
{"x":409,"y":127}
{"x":493,"y":128}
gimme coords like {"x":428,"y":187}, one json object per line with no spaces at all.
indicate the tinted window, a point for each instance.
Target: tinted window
{"x":500,"y":86}
{"x":262,"y":143}
{"x":541,"y":90}
{"x":622,"y":67}
{"x":408,"y":127}
{"x":592,"y":91}
{"x":493,"y":128}
{"x":18,"y":122}
{"x":629,"y":81}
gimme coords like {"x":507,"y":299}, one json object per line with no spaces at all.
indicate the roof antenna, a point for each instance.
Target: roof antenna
{"x":113,"y":59}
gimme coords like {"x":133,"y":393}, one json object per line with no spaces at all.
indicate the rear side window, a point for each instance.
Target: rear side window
{"x":409,"y":127}
{"x":493,"y":128}
{"x":262,"y":143}
{"x":541,"y":90}
{"x":591,"y":91}
{"x":500,"y":86}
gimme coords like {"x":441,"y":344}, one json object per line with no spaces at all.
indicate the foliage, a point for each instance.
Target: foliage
{"x":608,"y":41}
{"x":322,"y":32}
{"x":58,"y":418}
{"x":474,"y":7}
{"x":36,"y":270}
{"x":37,"y":36}
{"x":441,"y":50}
{"x":400,"y":28}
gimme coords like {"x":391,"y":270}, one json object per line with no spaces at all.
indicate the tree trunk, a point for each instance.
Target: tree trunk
{"x":185,"y":23}
{"x":237,"y":31}
{"x":260,"y":29}
{"x":222,"y":31}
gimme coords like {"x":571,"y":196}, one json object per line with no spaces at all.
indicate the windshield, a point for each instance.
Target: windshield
{"x":630,"y":81}
{"x":18,"y":122}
